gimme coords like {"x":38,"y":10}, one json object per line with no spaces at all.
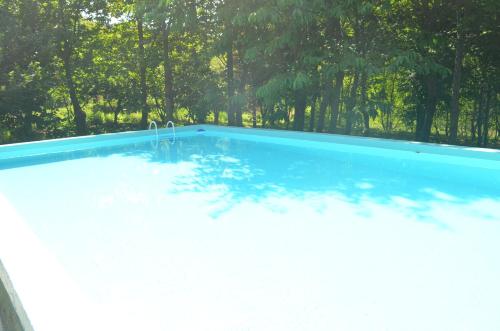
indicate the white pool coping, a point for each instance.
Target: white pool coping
{"x":278,"y":136}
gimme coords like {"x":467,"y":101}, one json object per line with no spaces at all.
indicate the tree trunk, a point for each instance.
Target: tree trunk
{"x":142,"y":74}
{"x":80,"y":116}
{"x":337,"y":92}
{"x":497,"y":119}
{"x":486,"y":120}
{"x":230,"y":85}
{"x":168,"y":78}
{"x":300,"y":110}
{"x":420,"y":118}
{"x":117,"y":112}
{"x":313,"y":113}
{"x":431,"y":104}
{"x":390,"y":106}
{"x":28,"y":123}
{"x":473,"y":120}
{"x":427,"y":108}
{"x":254,"y":108}
{"x":239,"y":116}
{"x":364,"y":109}
{"x":325,"y":100}
{"x":268,"y":115}
{"x":352,"y":104}
{"x":455,"y":89}
{"x":241,"y":92}
{"x":216,"y":117}
{"x":65,"y":54}
{"x":479,"y":120}
{"x":287,"y":115}
{"x":447,"y":124}
{"x":335,"y":36}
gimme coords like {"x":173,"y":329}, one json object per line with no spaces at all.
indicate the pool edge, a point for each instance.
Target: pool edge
{"x":34,"y":148}
{"x":412,"y":147}
{"x":12,"y":314}
{"x":405,"y":145}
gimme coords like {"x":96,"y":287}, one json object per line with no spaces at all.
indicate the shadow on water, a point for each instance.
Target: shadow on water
{"x":241,"y":171}
{"x":253,"y":171}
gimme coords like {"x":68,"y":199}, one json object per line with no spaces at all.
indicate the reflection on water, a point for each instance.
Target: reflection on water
{"x":241,"y":171}
{"x":225,"y":173}
{"x":229,"y":172}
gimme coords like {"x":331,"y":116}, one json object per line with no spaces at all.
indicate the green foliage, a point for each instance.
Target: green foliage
{"x":394,"y":61}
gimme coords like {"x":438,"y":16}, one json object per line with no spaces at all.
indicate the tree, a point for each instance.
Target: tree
{"x":355,"y":67}
{"x":70,"y":33}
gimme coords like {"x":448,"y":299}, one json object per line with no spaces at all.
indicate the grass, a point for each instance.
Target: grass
{"x":103,"y":122}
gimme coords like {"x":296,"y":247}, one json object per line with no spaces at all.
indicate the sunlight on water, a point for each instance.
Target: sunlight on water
{"x":220,"y":234}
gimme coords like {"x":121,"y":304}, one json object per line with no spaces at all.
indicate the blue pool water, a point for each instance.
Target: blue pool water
{"x":234,"y":230}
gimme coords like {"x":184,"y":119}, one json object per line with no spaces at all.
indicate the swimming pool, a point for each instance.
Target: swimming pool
{"x":242,"y":229}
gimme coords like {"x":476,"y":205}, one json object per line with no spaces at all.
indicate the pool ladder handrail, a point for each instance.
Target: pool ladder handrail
{"x":156,"y":132}
{"x":170,"y":123}
{"x":156,"y":127}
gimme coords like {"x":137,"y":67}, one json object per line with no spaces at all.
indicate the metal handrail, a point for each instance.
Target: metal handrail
{"x":156,"y":131}
{"x":170,"y":123}
{"x":156,"y":127}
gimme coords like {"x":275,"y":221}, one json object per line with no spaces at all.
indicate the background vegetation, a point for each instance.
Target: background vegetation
{"x":413,"y":69}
